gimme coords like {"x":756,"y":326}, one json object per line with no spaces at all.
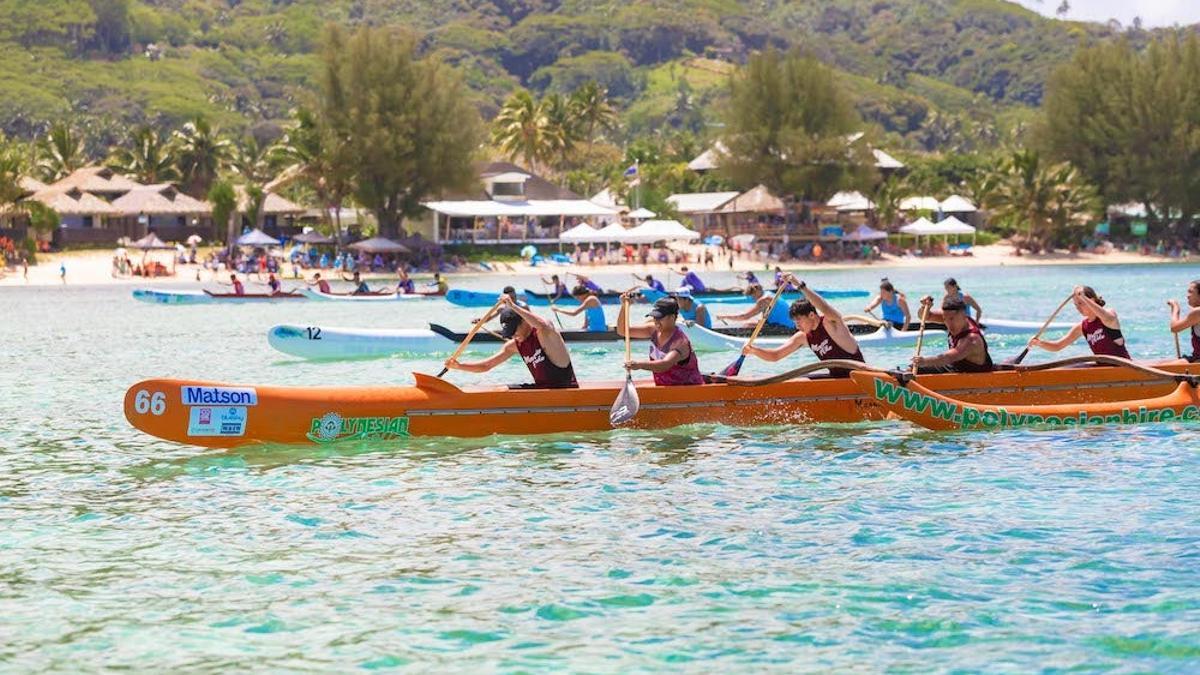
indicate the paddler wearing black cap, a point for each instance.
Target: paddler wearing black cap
{"x":672,"y":360}
{"x":819,"y":326}
{"x":539,"y":344}
{"x":968,"y":352}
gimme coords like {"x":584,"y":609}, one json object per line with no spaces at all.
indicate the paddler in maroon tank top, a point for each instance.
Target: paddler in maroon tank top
{"x":1100,"y":327}
{"x":818,"y":326}
{"x":539,"y":344}
{"x":320,"y":283}
{"x":968,"y":350}
{"x":1190,"y":322}
{"x":672,"y":360}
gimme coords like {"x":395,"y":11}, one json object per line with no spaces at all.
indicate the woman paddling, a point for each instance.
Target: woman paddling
{"x":1100,"y":327}
{"x":672,"y":360}
{"x":593,"y":319}
{"x":819,"y":327}
{"x":1190,"y":322}
{"x":690,"y":309}
{"x":762,"y":301}
{"x":893,"y":304}
{"x":539,"y":344}
{"x":953,"y":292}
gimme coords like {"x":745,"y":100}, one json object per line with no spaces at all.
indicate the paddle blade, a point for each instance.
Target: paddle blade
{"x":735,"y":367}
{"x":1018,"y":358}
{"x":625,"y":408}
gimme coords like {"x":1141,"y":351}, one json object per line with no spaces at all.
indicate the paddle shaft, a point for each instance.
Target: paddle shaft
{"x":762,"y":321}
{"x":1025,"y":352}
{"x":462,"y":346}
{"x":550,"y":296}
{"x":920,"y":335}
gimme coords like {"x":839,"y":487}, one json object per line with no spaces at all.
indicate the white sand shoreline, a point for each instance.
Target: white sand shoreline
{"x":88,"y":268}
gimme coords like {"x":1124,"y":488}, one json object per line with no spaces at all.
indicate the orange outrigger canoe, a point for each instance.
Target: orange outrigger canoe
{"x":222,"y":415}
{"x":924,"y":405}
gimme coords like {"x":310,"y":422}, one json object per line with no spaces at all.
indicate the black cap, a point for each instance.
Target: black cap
{"x":509,"y":290}
{"x":664,"y":307}
{"x":510,"y":321}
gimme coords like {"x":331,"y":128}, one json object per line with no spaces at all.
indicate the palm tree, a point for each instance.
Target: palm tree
{"x":313,"y":156}
{"x":12,"y":167}
{"x":146,"y":156}
{"x":887,"y":200}
{"x":590,"y":106}
{"x":519,"y":130}
{"x":60,"y":152}
{"x":201,"y":154}
{"x":1045,"y":199}
{"x":253,"y":161}
{"x":561,"y":130}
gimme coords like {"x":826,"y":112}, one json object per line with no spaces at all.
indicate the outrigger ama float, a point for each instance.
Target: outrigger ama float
{"x":220,"y":415}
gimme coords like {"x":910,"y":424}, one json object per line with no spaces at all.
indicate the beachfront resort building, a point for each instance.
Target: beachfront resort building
{"x":512,"y":205}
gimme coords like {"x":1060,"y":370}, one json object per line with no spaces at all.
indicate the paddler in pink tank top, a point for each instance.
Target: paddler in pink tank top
{"x":1100,"y":327}
{"x":538,"y":343}
{"x":672,"y":360}
{"x":818,"y":326}
{"x":968,"y":350}
{"x":1190,"y":322}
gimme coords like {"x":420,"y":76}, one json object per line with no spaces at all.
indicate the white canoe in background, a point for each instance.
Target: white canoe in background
{"x":186,"y":297}
{"x":372,"y":297}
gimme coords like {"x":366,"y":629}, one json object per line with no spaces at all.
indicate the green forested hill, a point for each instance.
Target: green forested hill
{"x":933,"y":74}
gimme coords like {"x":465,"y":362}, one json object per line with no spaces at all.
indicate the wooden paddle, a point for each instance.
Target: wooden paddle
{"x":736,"y":367}
{"x":462,"y":347}
{"x":920,"y":334}
{"x":1175,"y":333}
{"x":1025,"y":352}
{"x":625,"y":408}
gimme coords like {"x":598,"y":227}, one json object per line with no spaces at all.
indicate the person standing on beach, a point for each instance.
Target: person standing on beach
{"x":1191,"y":322}
{"x":892,"y":303}
{"x":25,"y":268}
{"x":953,"y":292}
{"x":1100,"y":327}
{"x":62,"y":271}
{"x":819,"y":327}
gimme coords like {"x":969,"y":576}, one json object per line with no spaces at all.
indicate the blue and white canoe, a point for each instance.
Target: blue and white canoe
{"x":161,"y":297}
{"x":704,"y":339}
{"x":465,"y":298}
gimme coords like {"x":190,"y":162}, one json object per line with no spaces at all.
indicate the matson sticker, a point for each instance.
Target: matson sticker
{"x":198,"y":395}
{"x":217,"y":421}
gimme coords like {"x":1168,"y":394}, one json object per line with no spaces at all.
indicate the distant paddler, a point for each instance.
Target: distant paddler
{"x":439,"y":285}
{"x":892,"y":303}
{"x":560,"y":289}
{"x":1189,"y":322}
{"x":953,"y":292}
{"x":404,"y":285}
{"x":652,"y":283}
{"x":238,"y":288}
{"x":274,"y":284}
{"x":762,"y":303}
{"x":589,"y":306}
{"x":1100,"y":327}
{"x":691,"y":280}
{"x":819,"y":326}
{"x":321,"y":284}
{"x":360,"y":286}
{"x":672,"y":360}
{"x":968,"y":349}
{"x":536,"y":340}
{"x":690,"y":309}
{"x":587,"y":283}
{"x":781,"y":283}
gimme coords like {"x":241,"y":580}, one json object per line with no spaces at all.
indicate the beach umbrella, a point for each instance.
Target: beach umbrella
{"x":714,"y":240}
{"x":579,"y":234}
{"x":257,"y":237}
{"x":742,"y":239}
{"x":151,"y":242}
{"x":865,"y":233}
{"x":641,"y":213}
{"x":528,"y":251}
{"x":379,"y":245}
{"x":195,"y":240}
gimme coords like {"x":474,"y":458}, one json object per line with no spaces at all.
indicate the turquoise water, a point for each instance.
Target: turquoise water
{"x":864,"y":547}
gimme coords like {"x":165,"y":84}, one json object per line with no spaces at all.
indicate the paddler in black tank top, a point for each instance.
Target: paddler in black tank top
{"x":538,"y":343}
{"x":1189,"y":322}
{"x":819,"y":326}
{"x":968,"y":352}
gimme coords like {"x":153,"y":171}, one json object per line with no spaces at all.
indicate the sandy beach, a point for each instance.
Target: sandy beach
{"x":95,"y":267}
